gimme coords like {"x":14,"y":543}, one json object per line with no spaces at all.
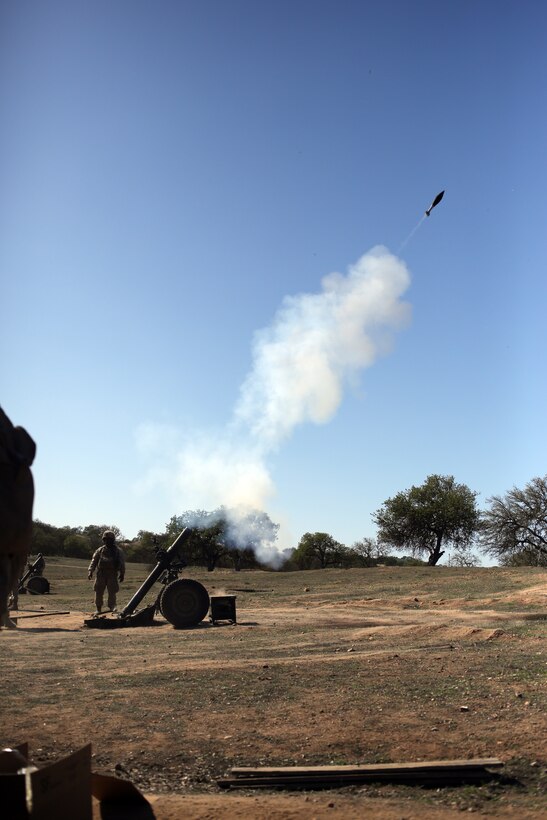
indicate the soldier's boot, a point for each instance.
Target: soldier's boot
{"x":6,"y":622}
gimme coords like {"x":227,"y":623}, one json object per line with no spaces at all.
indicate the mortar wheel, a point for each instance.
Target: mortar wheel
{"x":38,"y":585}
{"x":159,"y":605}
{"x":184,"y":602}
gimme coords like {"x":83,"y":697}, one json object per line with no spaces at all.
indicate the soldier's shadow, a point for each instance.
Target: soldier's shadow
{"x":126,"y":811}
{"x":40,"y":629}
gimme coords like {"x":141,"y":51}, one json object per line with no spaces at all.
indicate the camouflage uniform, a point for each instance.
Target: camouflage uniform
{"x":109,"y":562}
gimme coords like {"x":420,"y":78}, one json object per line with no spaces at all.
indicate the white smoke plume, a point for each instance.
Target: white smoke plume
{"x":316,"y":345}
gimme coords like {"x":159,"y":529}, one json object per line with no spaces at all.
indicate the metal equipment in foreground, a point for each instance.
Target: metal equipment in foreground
{"x":33,"y":581}
{"x":223,"y":608}
{"x":182,"y":601}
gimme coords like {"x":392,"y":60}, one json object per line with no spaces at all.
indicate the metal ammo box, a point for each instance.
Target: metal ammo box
{"x":223,"y":608}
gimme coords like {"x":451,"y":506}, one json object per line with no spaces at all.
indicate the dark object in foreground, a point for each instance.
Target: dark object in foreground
{"x":182,"y":601}
{"x":109,"y":789}
{"x":60,"y":790}
{"x":223,"y":608}
{"x":435,"y":202}
{"x":432,"y":773}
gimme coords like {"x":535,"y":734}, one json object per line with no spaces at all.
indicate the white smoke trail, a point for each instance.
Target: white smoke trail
{"x":411,"y":234}
{"x":315,"y":346}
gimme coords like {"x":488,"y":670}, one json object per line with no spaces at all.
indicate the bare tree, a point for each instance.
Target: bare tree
{"x":516,"y":522}
{"x":367,"y":551}
{"x":463,"y":557}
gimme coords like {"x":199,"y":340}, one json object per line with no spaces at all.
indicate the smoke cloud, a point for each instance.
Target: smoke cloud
{"x":317,"y":343}
{"x":316,"y":346}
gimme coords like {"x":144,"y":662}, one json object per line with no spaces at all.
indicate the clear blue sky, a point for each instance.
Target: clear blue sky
{"x":172,"y":172}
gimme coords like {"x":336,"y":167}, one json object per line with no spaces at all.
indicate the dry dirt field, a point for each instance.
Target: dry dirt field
{"x":323,"y":667}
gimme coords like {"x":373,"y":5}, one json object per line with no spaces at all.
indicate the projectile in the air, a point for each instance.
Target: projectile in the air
{"x":435,"y":202}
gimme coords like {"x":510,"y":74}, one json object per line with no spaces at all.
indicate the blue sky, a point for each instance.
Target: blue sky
{"x":173,"y":172}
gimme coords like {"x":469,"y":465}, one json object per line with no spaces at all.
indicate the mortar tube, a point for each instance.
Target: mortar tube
{"x":163,"y":564}
{"x":28,"y":573}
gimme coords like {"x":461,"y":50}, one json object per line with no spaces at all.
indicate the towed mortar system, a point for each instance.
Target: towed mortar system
{"x":182,"y":601}
{"x":33,"y":581}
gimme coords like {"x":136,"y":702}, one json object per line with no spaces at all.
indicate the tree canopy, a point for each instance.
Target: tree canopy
{"x":318,"y":549}
{"x":224,"y":536}
{"x":422,"y":521}
{"x":427,"y":518}
{"x":74,"y":542}
{"x":220,"y":538}
{"x":516,"y":524}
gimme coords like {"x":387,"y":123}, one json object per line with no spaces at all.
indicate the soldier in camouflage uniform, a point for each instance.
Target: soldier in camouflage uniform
{"x":109,"y":562}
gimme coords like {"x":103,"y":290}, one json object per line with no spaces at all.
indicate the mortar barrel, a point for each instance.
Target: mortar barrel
{"x":163,"y":563}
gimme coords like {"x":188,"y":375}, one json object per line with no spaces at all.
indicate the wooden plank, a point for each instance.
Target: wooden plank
{"x":431,"y":778}
{"x":436,"y":773}
{"x":416,"y":766}
{"x":42,"y":614}
{"x":456,"y":775}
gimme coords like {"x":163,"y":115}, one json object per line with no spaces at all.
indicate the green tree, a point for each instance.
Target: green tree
{"x":224,"y":537}
{"x":517,"y":522}
{"x":244,"y":558}
{"x":196,"y":520}
{"x":94,"y":532}
{"x":249,"y":537}
{"x":47,"y":539}
{"x":206,"y":546}
{"x":318,"y":549}
{"x":76,"y":545}
{"x":427,"y":518}
{"x":142,"y":548}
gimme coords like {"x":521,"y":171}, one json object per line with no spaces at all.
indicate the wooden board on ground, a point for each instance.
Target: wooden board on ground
{"x":435,"y":772}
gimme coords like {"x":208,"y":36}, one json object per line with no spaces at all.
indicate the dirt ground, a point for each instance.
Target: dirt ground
{"x":322,"y":667}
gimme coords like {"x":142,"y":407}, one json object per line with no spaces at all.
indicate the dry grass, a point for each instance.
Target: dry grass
{"x":355,"y":666}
